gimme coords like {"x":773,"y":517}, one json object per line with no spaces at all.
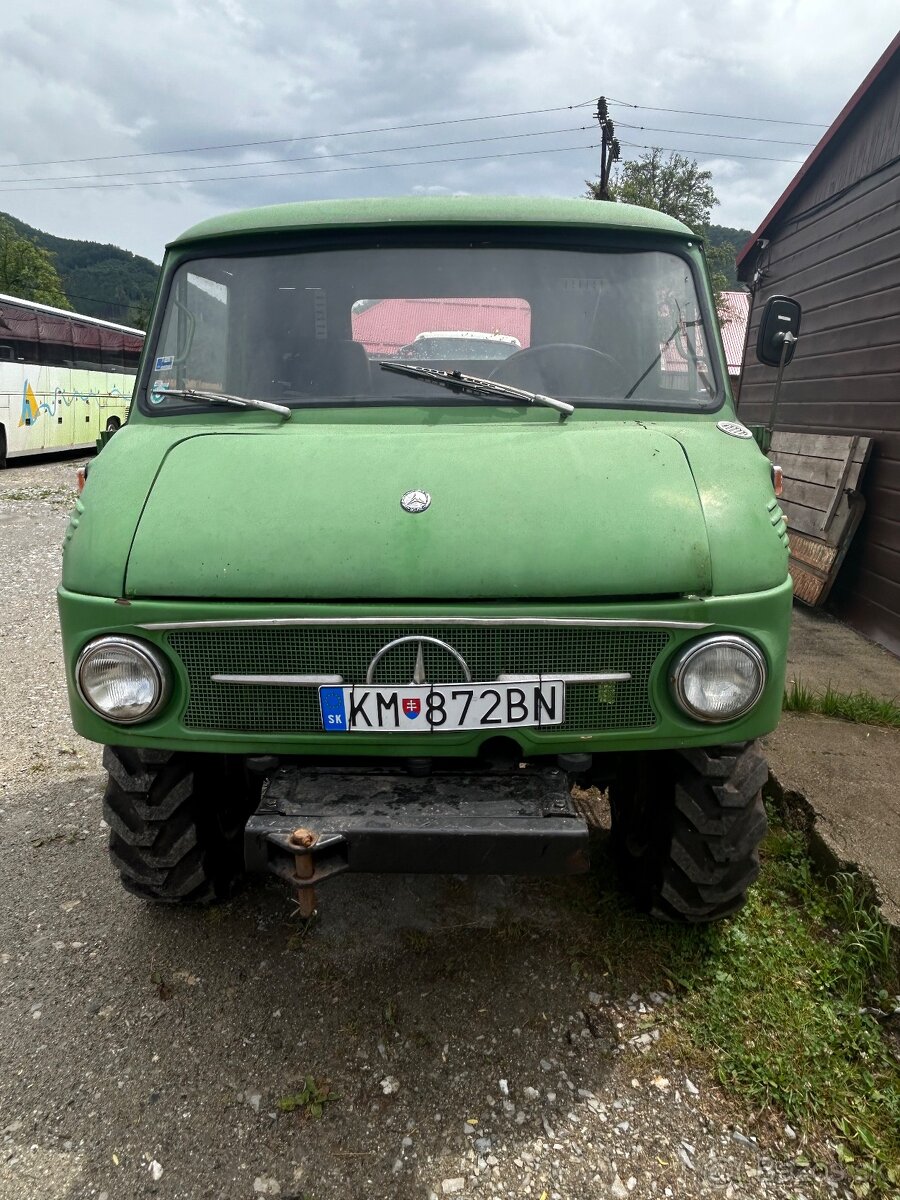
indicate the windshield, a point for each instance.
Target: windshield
{"x":611,"y":327}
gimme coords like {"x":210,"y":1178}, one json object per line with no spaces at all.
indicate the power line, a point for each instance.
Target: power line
{"x":422,"y":162}
{"x":732,"y":137}
{"x":797,"y":162}
{"x":106,"y":303}
{"x":264,"y":162}
{"x":722,"y":116}
{"x":309,"y":137}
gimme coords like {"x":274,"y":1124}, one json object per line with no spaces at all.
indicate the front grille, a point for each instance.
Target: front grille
{"x":347,"y":650}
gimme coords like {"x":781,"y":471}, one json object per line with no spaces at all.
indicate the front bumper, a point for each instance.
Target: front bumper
{"x":312,"y":824}
{"x":762,"y":616}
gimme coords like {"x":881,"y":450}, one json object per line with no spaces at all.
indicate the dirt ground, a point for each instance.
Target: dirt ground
{"x":461,"y":1035}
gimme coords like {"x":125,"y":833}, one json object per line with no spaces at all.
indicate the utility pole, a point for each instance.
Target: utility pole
{"x":609,"y":149}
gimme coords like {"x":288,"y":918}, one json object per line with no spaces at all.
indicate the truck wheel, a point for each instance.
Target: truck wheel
{"x":2,"y":447}
{"x":686,"y":828}
{"x":176,"y":824}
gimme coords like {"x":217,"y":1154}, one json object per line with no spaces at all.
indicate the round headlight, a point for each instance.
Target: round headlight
{"x":122,"y":679}
{"x":719,"y":678}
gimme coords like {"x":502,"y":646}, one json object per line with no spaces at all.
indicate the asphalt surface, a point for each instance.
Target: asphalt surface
{"x":456,"y":1040}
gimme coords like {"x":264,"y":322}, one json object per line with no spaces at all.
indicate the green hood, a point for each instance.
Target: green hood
{"x":305,"y":512}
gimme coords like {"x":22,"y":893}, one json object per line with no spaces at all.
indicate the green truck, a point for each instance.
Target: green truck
{"x":331,"y":608}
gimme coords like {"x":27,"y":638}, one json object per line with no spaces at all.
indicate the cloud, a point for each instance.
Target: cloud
{"x":102,"y":78}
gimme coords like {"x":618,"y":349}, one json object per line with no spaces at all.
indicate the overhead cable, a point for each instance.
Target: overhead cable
{"x":688,"y":112}
{"x":422,"y":162}
{"x":731,"y":137}
{"x":797,"y":162}
{"x":265,"y":162}
{"x":307,"y":137}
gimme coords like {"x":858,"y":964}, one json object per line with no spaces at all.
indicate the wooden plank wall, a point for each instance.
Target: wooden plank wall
{"x":838,"y":252}
{"x":821,"y":503}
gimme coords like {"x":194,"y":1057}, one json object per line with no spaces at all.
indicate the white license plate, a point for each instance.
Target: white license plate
{"x":431,"y":709}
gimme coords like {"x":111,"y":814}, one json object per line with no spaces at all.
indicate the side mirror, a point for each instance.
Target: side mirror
{"x":779,"y":324}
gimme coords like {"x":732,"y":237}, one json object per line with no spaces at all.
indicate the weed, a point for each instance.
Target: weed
{"x":311,"y":1100}
{"x":775,"y":996}
{"x":860,"y":707}
{"x":416,"y":940}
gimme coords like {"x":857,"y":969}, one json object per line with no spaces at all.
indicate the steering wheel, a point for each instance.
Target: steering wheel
{"x":568,"y":368}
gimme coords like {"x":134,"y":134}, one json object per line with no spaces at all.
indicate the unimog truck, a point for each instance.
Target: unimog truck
{"x":331,"y":608}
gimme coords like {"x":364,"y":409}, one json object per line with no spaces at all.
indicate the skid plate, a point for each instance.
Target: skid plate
{"x":506,"y":823}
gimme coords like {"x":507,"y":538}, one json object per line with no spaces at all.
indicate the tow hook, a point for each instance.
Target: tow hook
{"x":302,"y":841}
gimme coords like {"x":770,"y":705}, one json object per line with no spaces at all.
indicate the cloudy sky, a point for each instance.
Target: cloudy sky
{"x":365,"y":97}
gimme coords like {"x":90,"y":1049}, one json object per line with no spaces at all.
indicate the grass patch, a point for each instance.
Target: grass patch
{"x":860,"y":707}
{"x":774,"y":1002}
{"x":310,"y":1100}
{"x":775,"y":997}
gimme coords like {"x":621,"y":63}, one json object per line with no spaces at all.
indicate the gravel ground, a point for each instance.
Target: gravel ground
{"x":464,"y":1048}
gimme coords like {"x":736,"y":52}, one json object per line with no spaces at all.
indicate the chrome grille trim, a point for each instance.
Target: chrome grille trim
{"x":282,"y":680}
{"x":335,"y":680}
{"x":585,"y":622}
{"x":568,"y":677}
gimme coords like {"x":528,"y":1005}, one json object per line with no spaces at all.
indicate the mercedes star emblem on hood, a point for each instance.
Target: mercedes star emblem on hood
{"x":415,"y":501}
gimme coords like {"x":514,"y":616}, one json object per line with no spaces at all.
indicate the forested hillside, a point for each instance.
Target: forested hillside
{"x":102,"y":281}
{"x":720,"y":235}
{"x":105,"y":281}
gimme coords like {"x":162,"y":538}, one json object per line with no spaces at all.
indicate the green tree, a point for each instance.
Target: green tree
{"x":675,"y":186}
{"x":27,"y":271}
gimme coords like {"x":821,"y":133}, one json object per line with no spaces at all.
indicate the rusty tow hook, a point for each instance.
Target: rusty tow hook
{"x":303,"y":840}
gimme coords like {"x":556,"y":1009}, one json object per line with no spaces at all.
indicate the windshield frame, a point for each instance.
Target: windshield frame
{"x":576,"y":238}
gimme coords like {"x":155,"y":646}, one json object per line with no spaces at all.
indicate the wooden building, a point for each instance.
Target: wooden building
{"x":832,"y":241}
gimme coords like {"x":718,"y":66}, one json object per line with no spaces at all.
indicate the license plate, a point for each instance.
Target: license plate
{"x":444,"y":709}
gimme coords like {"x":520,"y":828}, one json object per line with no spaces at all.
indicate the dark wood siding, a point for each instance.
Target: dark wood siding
{"x":836,"y":248}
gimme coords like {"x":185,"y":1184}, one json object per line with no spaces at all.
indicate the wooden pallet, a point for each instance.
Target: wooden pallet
{"x":822,"y":504}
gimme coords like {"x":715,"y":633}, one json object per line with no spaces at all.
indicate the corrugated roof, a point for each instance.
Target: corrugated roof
{"x":833,"y":130}
{"x":735,"y":312}
{"x":386,"y":326}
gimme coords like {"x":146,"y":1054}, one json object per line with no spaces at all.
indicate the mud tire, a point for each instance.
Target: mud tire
{"x":176,"y":824}
{"x":686,"y":829}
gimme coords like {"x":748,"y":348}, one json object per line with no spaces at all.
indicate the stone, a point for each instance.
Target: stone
{"x":451,"y":1187}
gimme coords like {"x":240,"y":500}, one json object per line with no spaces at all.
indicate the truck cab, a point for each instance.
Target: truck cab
{"x":330,"y":609}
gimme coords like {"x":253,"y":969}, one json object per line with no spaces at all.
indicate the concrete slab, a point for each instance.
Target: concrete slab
{"x":822,"y":651}
{"x":847,"y":776}
{"x":843,"y":777}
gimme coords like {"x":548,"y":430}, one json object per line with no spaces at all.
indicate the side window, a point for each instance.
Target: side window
{"x":684,"y":356}
{"x":193,"y":349}
{"x":112,"y":359}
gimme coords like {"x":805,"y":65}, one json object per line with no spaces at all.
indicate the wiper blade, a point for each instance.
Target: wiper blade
{"x":224,"y":398}
{"x":474,"y":385}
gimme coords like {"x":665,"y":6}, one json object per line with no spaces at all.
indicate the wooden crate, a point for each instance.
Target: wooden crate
{"x":822,"y":504}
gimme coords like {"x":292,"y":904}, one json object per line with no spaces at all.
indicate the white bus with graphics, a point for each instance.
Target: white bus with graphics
{"x":64,"y":377}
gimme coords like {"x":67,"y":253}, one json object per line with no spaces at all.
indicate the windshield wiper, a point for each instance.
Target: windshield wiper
{"x":223,"y":398}
{"x":474,"y":385}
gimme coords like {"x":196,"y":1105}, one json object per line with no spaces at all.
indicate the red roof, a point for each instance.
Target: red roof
{"x":835,"y":128}
{"x":734,"y":313}
{"x":389,"y":324}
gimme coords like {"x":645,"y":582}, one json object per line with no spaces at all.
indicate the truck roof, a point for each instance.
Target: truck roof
{"x":434,"y":210}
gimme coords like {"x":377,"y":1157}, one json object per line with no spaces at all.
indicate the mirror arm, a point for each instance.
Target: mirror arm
{"x":788,"y":340}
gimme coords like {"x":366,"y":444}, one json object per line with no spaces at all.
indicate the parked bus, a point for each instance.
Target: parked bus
{"x":64,"y":377}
